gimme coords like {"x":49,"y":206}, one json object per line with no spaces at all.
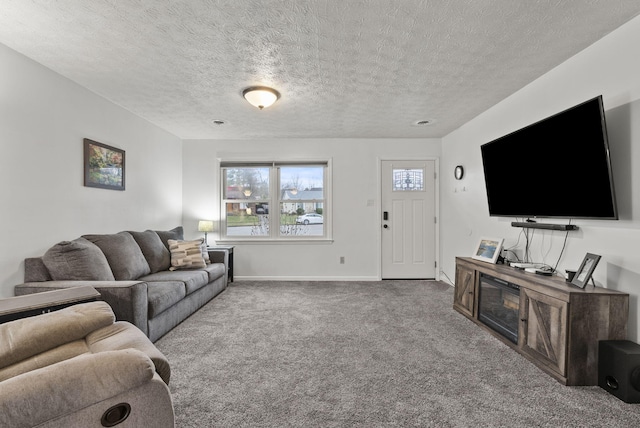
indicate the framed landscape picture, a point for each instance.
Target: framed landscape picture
{"x":488,"y":249}
{"x":103,"y":166}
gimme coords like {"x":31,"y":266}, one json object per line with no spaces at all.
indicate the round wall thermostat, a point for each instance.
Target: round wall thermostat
{"x":458,"y":172}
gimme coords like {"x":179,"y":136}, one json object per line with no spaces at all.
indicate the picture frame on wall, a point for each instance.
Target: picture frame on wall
{"x":583,"y":274}
{"x":488,"y":250}
{"x":104,"y":166}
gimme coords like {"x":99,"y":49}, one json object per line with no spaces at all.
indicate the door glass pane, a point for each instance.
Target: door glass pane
{"x":247,"y":219}
{"x":246,"y":183}
{"x":408,"y":180}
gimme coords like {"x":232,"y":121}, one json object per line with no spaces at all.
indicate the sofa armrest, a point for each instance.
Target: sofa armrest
{"x":219,"y":256}
{"x":66,"y":387}
{"x":128,"y":299}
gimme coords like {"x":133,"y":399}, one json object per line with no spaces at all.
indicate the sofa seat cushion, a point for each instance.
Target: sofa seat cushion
{"x":193,"y":279}
{"x":215,"y":271}
{"x":162,"y":295}
{"x":123,"y":254}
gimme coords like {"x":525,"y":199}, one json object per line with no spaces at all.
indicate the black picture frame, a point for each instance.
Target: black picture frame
{"x":583,"y":274}
{"x":104,"y":166}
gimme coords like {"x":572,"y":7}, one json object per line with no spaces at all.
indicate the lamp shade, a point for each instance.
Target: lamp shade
{"x":261,"y":96}
{"x":205,"y":226}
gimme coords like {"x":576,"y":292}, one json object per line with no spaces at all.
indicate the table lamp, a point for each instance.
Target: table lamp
{"x":205,"y":226}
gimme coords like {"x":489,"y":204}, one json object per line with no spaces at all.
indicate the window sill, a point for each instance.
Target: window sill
{"x":302,"y":241}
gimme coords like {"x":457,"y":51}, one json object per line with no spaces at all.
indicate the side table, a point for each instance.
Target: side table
{"x":14,"y":308}
{"x":229,"y":249}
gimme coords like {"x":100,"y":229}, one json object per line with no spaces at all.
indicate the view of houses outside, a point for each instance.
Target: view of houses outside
{"x":248,"y":199}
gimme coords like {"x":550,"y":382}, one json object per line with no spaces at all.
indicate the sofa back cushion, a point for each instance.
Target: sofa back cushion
{"x":156,"y":254}
{"x":123,"y":254}
{"x":177,"y":233}
{"x":77,"y":260}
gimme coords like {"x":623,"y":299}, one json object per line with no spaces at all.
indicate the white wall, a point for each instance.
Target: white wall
{"x":356,"y":226}
{"x":609,"y":67}
{"x":43,"y":120}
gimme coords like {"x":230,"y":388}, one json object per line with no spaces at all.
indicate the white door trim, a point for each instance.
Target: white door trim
{"x":436,"y":208}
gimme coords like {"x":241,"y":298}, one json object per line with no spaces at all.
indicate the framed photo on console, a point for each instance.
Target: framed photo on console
{"x":488,"y":249}
{"x":586,"y":269}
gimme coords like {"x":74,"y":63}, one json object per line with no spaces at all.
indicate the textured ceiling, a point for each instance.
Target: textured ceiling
{"x":345,"y":68}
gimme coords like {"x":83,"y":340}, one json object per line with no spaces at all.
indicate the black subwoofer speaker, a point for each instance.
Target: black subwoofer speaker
{"x":619,"y":369}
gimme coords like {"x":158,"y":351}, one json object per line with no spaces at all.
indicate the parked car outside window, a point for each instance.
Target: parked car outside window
{"x":311,"y":218}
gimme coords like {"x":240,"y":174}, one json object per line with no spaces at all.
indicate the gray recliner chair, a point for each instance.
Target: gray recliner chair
{"x":77,"y":367}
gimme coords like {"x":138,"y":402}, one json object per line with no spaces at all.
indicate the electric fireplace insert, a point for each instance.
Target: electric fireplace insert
{"x":499,"y":306}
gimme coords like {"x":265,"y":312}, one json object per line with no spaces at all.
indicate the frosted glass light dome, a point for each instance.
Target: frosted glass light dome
{"x":261,"y":96}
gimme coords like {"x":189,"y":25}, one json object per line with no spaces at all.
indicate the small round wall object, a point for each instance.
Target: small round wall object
{"x":458,"y":172}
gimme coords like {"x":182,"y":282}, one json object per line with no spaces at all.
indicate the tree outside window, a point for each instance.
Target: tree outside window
{"x":296,"y":191}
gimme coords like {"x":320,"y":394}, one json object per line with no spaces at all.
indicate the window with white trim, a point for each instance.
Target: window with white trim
{"x":274,"y":200}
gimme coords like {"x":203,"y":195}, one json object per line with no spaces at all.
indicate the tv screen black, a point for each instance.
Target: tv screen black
{"x":557,"y":167}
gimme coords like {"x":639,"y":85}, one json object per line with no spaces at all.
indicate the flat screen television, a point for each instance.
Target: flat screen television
{"x":559,"y":167}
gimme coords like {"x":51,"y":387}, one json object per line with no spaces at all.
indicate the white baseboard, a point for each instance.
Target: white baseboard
{"x":305,"y":278}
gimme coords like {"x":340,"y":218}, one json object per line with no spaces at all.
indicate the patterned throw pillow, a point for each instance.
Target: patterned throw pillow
{"x":186,"y":254}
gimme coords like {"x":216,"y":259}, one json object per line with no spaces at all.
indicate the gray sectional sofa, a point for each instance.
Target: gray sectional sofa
{"x":136,"y":273}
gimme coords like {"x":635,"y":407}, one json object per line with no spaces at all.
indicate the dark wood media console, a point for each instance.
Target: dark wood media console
{"x":559,"y":325}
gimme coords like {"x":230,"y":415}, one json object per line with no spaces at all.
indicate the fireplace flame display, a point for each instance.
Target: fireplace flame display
{"x":499,"y":306}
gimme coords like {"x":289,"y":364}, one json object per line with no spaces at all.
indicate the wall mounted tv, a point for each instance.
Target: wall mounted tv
{"x":559,"y":167}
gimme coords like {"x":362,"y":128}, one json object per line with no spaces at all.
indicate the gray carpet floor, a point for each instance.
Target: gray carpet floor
{"x":362,"y":354}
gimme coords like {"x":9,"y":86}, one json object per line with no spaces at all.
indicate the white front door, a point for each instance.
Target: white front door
{"x":408,"y":219}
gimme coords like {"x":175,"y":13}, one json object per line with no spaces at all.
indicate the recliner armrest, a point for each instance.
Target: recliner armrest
{"x":122,"y":335}
{"x":66,"y":387}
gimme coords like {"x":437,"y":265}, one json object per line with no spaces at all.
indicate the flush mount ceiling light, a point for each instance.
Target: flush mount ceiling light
{"x":261,"y":96}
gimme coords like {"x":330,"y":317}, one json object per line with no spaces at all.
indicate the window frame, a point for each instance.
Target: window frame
{"x":275,"y":200}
